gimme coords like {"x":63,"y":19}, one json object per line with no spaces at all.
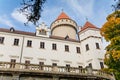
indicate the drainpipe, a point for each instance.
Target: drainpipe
{"x":22,"y":49}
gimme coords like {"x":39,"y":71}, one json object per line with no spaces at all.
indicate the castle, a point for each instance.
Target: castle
{"x":64,"y":47}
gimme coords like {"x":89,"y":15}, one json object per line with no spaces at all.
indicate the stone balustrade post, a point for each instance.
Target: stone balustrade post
{"x":89,"y":70}
{"x":55,"y":68}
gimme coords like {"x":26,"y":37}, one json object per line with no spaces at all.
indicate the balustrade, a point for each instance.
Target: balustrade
{"x":56,"y":69}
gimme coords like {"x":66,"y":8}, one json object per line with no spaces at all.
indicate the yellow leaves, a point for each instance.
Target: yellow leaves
{"x":116,"y":55}
{"x":111,"y":32}
{"x":107,"y":56}
{"x":111,"y":28}
{"x":113,"y":15}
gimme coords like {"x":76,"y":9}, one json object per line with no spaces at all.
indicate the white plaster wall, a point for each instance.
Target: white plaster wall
{"x":63,"y":21}
{"x":49,"y":56}
{"x":89,"y":32}
{"x":63,"y":31}
{"x":93,"y":55}
{"x":58,"y":56}
{"x":36,"y":55}
{"x":8,"y":50}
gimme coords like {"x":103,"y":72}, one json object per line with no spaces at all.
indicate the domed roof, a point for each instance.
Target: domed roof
{"x":63,"y":16}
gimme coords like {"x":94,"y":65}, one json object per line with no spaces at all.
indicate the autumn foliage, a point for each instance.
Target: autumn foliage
{"x":111,"y":32}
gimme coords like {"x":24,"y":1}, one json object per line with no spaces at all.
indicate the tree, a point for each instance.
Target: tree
{"x":111,"y":32}
{"x":117,"y":6}
{"x":32,"y":9}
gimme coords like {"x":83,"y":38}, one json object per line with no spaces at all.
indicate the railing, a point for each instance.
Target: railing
{"x":54,"y":69}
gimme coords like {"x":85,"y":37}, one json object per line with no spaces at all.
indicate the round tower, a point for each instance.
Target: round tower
{"x":63,"y":26}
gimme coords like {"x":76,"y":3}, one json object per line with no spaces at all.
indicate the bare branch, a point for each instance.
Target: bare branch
{"x":32,"y":9}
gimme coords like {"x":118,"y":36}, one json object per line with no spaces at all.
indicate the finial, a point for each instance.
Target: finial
{"x":62,"y":9}
{"x":86,"y":18}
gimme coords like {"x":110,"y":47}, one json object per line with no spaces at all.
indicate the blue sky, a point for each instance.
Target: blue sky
{"x":78,"y":10}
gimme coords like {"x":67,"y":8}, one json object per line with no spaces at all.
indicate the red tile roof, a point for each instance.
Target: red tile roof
{"x":88,"y":25}
{"x":63,"y":38}
{"x":33,"y":34}
{"x":17,"y":32}
{"x":63,"y":16}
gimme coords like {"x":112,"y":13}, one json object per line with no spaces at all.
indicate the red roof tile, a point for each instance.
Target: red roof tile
{"x":88,"y":25}
{"x":63,"y":38}
{"x":17,"y":32}
{"x":63,"y":16}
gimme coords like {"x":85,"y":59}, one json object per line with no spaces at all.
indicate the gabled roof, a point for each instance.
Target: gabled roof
{"x":63,"y":16}
{"x":88,"y":25}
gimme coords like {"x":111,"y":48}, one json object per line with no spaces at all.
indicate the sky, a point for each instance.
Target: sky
{"x":95,"y":11}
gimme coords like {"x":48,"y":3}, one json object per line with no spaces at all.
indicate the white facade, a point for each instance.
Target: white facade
{"x":35,"y":54}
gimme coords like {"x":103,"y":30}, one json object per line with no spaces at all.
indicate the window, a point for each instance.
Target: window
{"x":27,"y":63}
{"x":80,"y":67}
{"x":16,"y":42}
{"x":97,"y":46}
{"x":90,"y":65}
{"x":41,"y":64}
{"x":29,"y":43}
{"x":12,"y":64}
{"x":13,"y":61}
{"x":101,"y":65}
{"x":42,"y":45}
{"x":42,"y":32}
{"x":54,"y":64}
{"x":67,"y":67}
{"x":67,"y":37}
{"x":1,"y":40}
{"x":78,"y":49}
{"x":87,"y":47}
{"x":54,"y":47}
{"x":67,"y":48}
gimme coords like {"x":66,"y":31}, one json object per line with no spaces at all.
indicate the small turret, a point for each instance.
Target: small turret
{"x":91,"y":44}
{"x":89,"y":30}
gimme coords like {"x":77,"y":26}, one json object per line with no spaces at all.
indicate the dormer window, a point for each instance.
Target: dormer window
{"x":12,"y":29}
{"x":67,"y":37}
{"x":42,"y":32}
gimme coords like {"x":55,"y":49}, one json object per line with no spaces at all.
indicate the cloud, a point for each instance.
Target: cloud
{"x":4,"y":20}
{"x":49,"y":14}
{"x":81,"y":7}
{"x":18,"y":16}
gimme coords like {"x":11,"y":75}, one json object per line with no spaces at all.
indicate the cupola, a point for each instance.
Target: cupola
{"x":64,"y":26}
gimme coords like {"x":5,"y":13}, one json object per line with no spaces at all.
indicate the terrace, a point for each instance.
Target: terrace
{"x":17,"y":70}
